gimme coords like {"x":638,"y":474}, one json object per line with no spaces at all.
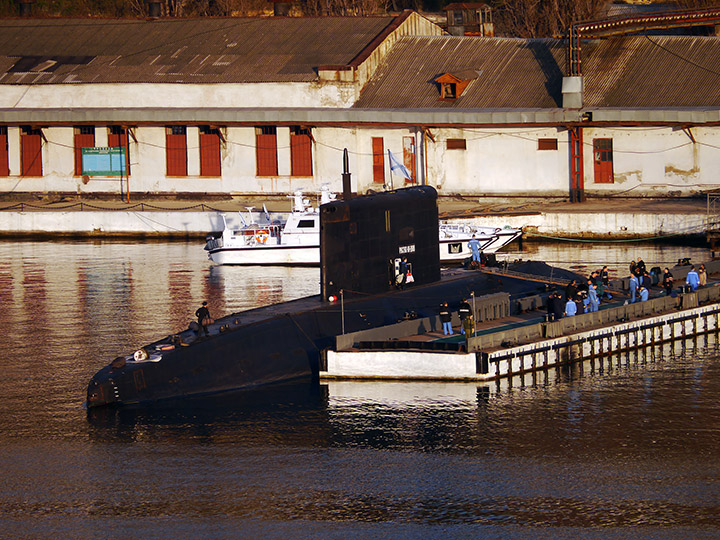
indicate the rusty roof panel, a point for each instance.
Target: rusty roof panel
{"x":632,"y":72}
{"x":652,"y":71}
{"x":513,"y":73}
{"x":207,"y":50}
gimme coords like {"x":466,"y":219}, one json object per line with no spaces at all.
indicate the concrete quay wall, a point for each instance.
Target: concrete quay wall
{"x":608,"y":221}
{"x":610,"y":224}
{"x":171,"y":224}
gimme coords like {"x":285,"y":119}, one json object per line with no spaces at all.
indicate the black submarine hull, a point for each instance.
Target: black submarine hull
{"x":268,"y":345}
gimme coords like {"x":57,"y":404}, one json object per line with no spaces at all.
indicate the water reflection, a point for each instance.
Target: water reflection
{"x":629,"y":406}
{"x":623,"y":448}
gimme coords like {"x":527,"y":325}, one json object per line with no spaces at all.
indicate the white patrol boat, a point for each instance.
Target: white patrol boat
{"x":296,"y":241}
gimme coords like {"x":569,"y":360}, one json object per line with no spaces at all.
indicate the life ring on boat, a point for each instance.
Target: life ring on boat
{"x":262,"y":236}
{"x":140,"y":355}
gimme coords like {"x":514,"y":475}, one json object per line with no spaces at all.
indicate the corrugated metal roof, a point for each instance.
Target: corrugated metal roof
{"x":513,"y":73}
{"x":652,"y":71}
{"x":208,"y":50}
{"x":632,"y":72}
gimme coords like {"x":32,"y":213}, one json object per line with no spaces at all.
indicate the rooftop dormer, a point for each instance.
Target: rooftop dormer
{"x":452,"y":85}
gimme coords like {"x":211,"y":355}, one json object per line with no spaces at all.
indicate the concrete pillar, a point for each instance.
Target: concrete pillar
{"x":283,"y":144}
{"x":14,"y":150}
{"x":193,"y":150}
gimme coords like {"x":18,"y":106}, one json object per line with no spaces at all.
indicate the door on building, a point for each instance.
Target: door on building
{"x":31,"y":151}
{"x":603,"y":159}
{"x":409,"y":158}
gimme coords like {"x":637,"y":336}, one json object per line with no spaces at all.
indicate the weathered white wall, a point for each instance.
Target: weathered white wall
{"x":651,"y":161}
{"x":261,"y":95}
{"x":656,"y":160}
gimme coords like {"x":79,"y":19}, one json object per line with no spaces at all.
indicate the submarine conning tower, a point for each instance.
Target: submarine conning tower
{"x":363,"y":238}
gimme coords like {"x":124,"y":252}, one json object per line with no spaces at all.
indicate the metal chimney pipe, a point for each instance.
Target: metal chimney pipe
{"x":347,"y":189}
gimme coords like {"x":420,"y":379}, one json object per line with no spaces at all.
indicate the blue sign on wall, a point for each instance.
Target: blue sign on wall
{"x":103,"y":161}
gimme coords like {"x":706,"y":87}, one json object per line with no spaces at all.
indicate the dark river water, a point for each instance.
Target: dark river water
{"x":625,"y":448}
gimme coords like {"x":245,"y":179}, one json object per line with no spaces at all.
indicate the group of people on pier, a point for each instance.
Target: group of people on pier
{"x":467,"y":321}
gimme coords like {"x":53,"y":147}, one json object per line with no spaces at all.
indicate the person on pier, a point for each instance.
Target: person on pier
{"x":634,"y":284}
{"x":692,"y":278}
{"x":464,"y":312}
{"x":667,"y":281}
{"x":593,"y":300}
{"x":445,"y":319}
{"x":570,"y":307}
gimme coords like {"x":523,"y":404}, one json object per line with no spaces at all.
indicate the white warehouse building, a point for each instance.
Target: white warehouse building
{"x":266,"y":106}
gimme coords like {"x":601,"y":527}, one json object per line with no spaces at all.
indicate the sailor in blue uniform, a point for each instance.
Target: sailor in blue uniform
{"x":593,"y":300}
{"x":692,"y":278}
{"x":634,"y":284}
{"x":644,"y":293}
{"x":474,"y":245}
{"x":570,"y":308}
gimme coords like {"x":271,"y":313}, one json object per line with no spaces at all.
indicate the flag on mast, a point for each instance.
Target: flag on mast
{"x":395,"y":165}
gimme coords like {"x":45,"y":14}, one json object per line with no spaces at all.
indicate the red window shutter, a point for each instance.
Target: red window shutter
{"x":378,"y":152}
{"x":82,"y":141}
{"x":266,"y":155}
{"x":176,"y":153}
{"x":300,"y":155}
{"x":4,"y":161}
{"x":209,"y":154}
{"x":116,"y":140}
{"x":31,"y":149}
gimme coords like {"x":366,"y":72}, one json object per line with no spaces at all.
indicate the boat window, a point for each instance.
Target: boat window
{"x":306,"y":224}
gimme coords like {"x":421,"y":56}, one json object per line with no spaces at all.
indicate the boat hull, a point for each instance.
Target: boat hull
{"x":268,"y":345}
{"x":451,"y":250}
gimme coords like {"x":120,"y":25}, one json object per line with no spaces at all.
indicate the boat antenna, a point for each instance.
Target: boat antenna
{"x":347,"y":191}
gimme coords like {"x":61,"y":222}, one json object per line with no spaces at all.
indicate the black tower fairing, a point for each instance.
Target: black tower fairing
{"x":361,"y":239}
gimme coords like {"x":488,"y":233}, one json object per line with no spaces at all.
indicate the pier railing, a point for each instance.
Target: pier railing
{"x":487,"y":308}
{"x":569,"y":325}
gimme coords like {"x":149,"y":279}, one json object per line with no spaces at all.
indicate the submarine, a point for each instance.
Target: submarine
{"x":362,"y":241}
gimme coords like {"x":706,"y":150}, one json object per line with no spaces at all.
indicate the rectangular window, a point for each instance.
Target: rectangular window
{"x":210,"y":151}
{"x":300,"y":152}
{"x":31,"y":151}
{"x":603,"y":161}
{"x":176,"y":150}
{"x":4,"y":154}
{"x":84,"y":138}
{"x":448,"y":90}
{"x":456,"y":144}
{"x":118,"y":136}
{"x":409,"y":158}
{"x":378,"y":153}
{"x":266,"y":150}
{"x":547,"y":144}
